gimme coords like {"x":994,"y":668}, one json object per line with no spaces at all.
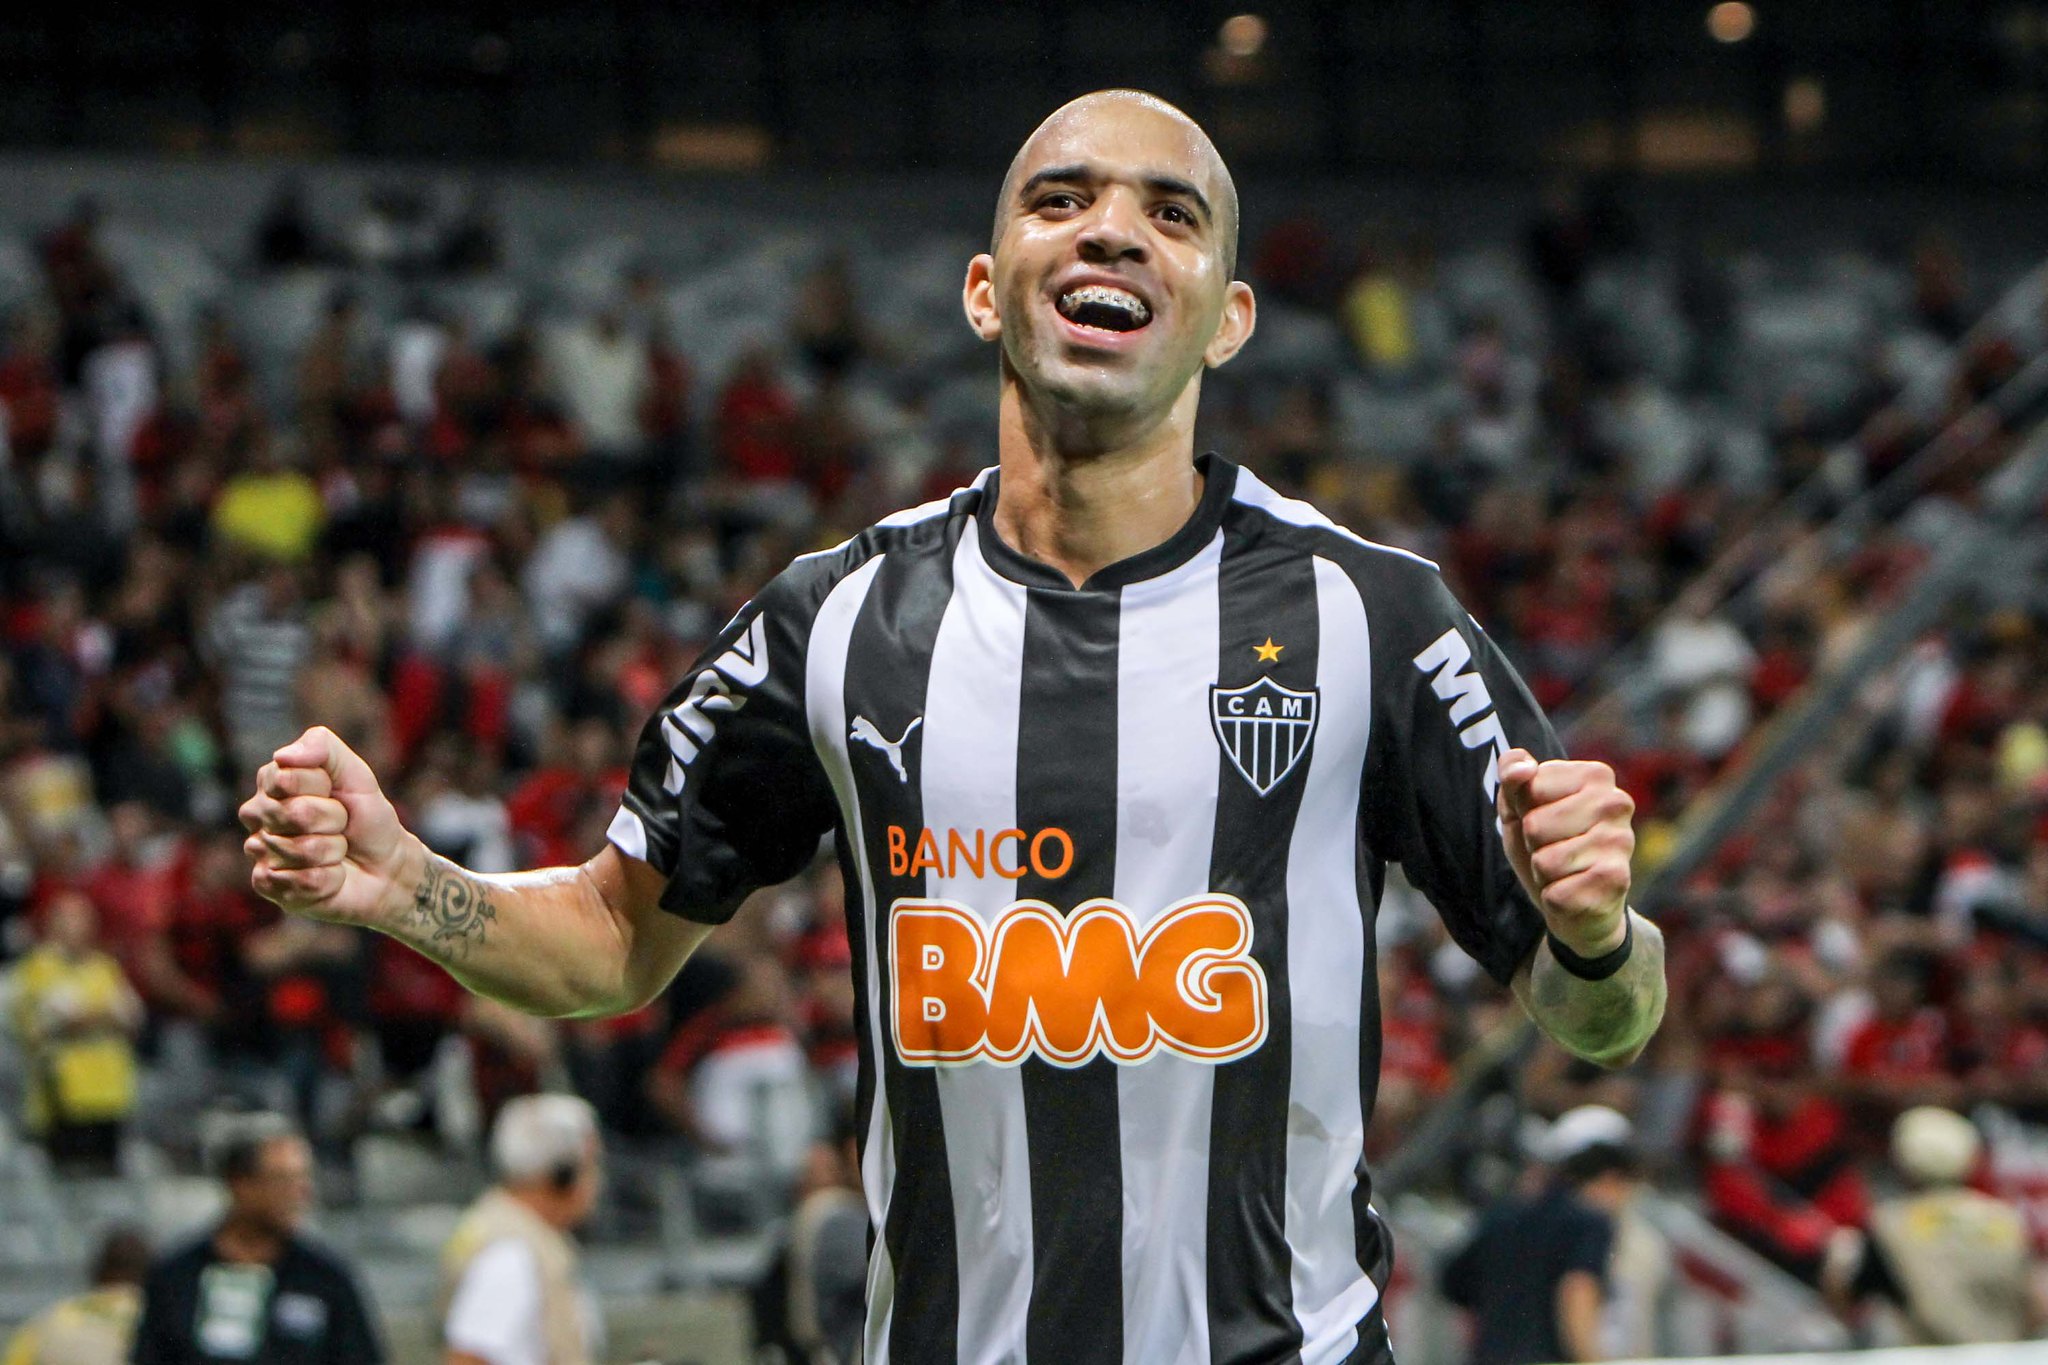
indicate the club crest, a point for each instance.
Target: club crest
{"x":1264,"y":729}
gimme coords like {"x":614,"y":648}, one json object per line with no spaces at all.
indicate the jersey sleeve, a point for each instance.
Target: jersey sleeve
{"x":726,"y":794}
{"x":1447,"y":705}
{"x":1589,"y":1243}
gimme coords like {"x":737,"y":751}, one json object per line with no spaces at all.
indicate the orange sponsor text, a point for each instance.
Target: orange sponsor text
{"x":1074,"y":988}
{"x":1047,"y":853}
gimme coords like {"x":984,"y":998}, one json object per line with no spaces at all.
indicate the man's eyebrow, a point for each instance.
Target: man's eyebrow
{"x":1056,"y":175}
{"x":1173,"y":184}
{"x":1156,"y":181}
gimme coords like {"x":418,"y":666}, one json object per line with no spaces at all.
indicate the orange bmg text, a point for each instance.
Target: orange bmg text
{"x":1070,"y":989}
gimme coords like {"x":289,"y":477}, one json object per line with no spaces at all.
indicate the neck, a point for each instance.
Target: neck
{"x":244,"y":1240}
{"x":1079,"y":496}
{"x":541,"y":1200}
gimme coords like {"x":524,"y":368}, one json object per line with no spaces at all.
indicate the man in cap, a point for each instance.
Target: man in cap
{"x":1535,"y":1273}
{"x":1954,"y":1261}
{"x":509,"y":1288}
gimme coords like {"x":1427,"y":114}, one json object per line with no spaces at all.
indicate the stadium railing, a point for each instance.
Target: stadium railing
{"x":1733,"y":578}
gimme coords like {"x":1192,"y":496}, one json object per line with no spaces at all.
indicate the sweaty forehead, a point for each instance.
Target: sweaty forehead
{"x":1124,"y":133}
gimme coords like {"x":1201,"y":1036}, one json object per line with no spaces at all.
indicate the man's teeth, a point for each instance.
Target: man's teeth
{"x":1097,"y":305}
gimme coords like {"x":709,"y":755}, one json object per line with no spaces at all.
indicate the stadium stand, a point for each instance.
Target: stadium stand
{"x":362,"y":451}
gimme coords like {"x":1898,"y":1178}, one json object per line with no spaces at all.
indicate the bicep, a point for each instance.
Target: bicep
{"x":657,"y":943}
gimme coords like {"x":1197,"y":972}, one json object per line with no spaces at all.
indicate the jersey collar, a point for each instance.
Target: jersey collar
{"x":1219,"y":481}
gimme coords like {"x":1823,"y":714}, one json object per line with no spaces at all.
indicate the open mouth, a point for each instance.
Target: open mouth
{"x":1105,"y":308}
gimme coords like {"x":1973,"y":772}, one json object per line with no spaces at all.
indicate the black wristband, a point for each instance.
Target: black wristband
{"x":1595,"y":968}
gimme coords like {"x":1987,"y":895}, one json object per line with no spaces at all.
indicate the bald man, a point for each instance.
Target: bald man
{"x":1114,"y":745}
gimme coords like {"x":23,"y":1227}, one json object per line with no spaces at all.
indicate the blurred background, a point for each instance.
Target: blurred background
{"x":447,"y":373}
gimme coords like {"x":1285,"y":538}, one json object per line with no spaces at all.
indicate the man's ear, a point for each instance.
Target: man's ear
{"x":978,"y":298}
{"x":1240,"y":315}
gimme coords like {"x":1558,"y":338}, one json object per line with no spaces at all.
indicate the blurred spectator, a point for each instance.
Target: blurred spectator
{"x":1940,"y":291}
{"x":457,"y":809}
{"x":470,"y":245}
{"x":756,"y":424}
{"x":1703,"y":662}
{"x":82,"y":283}
{"x":252,"y":1288}
{"x":76,"y":1016}
{"x":824,"y":960}
{"x":263,"y":985}
{"x":331,"y":371}
{"x":30,"y":395}
{"x":1378,"y":313}
{"x":604,"y":380}
{"x":419,"y":344}
{"x":395,"y":230}
{"x":259,"y":639}
{"x":340,"y":685}
{"x":1954,"y":1261}
{"x":268,"y":508}
{"x":826,"y":324}
{"x":285,"y":237}
{"x":1779,"y":1168}
{"x":123,"y":392}
{"x":712,"y":1077}
{"x":1884,"y":831}
{"x":510,"y":1293}
{"x":1535,"y":1272}
{"x":98,"y":1326}
{"x":580,"y":775}
{"x":812,"y":1306}
{"x":1899,"y":1056}
{"x":578,"y":566}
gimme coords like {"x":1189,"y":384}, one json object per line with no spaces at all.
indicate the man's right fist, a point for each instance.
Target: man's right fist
{"x":324,"y":839}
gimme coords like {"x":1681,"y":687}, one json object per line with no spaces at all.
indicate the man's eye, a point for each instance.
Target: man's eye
{"x":1175,"y":213}
{"x":1059,"y":200}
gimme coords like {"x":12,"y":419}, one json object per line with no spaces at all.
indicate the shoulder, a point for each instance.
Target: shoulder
{"x":1397,"y":587}
{"x":928,"y":530}
{"x":184,"y":1259}
{"x":1992,"y":1219}
{"x":1256,"y":502}
{"x":1379,"y":569}
{"x":321,"y":1261}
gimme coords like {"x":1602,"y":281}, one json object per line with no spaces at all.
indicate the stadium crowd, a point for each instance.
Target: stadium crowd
{"x":483,"y":556}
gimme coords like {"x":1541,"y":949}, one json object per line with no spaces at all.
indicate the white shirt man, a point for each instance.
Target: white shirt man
{"x":509,"y":1292}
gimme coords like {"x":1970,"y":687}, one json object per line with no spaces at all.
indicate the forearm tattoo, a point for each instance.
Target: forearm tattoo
{"x":1601,"y":1021}
{"x":452,"y":912}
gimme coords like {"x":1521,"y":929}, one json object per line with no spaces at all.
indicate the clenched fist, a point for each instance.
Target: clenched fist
{"x":325,"y":841}
{"x":1566,"y":826}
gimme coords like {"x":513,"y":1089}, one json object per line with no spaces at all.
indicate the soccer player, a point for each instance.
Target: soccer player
{"x":1116,"y":744}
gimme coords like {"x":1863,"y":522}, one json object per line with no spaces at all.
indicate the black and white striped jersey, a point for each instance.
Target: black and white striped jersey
{"x":1112,"y":855}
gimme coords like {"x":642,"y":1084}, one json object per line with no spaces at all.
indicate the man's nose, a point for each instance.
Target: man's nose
{"x":1115,"y":229}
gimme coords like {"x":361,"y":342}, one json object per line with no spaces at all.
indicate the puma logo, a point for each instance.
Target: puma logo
{"x":864,"y":730}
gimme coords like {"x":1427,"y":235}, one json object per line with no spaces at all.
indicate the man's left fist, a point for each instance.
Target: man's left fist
{"x":1566,"y":826}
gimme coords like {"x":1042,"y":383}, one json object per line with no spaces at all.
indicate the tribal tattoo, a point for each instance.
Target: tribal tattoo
{"x":1606,"y":1021}
{"x":452,"y":912}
